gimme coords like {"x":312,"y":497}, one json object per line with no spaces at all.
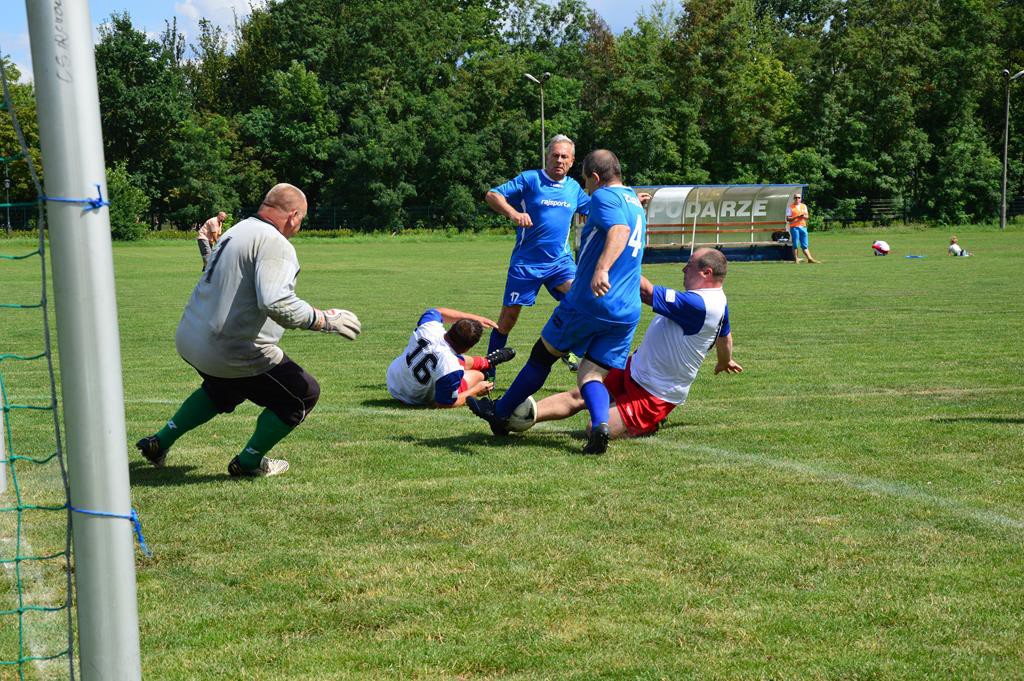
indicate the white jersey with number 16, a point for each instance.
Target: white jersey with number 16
{"x":429,"y":371}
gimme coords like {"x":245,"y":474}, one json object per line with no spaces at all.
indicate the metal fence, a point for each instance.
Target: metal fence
{"x":879,"y":212}
{"x":18,"y":218}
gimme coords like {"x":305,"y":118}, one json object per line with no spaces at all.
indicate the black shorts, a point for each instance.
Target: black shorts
{"x":287,"y":390}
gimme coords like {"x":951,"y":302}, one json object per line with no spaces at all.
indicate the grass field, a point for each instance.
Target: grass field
{"x":848,"y":507}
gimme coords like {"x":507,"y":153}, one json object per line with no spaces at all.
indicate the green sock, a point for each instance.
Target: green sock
{"x":196,"y":410}
{"x":269,"y":431}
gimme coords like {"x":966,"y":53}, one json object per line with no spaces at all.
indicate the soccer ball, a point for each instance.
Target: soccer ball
{"x":524,"y":416}
{"x":880,"y":248}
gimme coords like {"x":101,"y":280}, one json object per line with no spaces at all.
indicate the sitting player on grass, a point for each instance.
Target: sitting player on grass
{"x":657,"y":377}
{"x":433,"y":371}
{"x":956,"y":249}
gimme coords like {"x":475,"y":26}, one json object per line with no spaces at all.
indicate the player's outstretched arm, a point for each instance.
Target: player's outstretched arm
{"x":501,"y":206}
{"x":723,"y":346}
{"x":646,"y":291}
{"x":450,"y":316}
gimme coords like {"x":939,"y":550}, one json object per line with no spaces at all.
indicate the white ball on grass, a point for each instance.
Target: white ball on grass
{"x":524,"y":416}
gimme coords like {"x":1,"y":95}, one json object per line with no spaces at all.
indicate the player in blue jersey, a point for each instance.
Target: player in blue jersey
{"x":541,"y":203}
{"x":598,"y":316}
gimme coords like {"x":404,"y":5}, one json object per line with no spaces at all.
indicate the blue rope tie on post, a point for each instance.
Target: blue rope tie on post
{"x":94,"y":204}
{"x":133,"y":517}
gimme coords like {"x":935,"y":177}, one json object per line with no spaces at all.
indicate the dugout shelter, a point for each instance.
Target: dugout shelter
{"x":744,"y":221}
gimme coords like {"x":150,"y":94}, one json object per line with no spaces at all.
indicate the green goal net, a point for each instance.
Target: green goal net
{"x":36,"y":595}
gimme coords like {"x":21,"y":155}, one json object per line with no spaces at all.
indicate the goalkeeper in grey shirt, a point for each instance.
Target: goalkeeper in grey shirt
{"x":230,"y":330}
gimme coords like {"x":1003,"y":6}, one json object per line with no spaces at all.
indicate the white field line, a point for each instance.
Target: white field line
{"x":881,"y":392}
{"x":43,"y":637}
{"x":868,"y":484}
{"x":899,"y":490}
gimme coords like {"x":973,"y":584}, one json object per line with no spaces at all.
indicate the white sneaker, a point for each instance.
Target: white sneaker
{"x":267,"y":468}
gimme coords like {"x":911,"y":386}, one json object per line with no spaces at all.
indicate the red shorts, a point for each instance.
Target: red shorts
{"x":641,"y":411}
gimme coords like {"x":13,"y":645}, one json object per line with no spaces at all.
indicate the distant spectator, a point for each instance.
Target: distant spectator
{"x":956,"y":249}
{"x":209,"y":235}
{"x":796,"y":221}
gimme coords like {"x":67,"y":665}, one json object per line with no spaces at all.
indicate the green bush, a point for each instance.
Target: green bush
{"x":128,"y":204}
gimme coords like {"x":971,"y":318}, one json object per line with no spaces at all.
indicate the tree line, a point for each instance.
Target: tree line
{"x":398,"y":113}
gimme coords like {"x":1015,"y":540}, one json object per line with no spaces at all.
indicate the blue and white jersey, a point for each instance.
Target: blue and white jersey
{"x":610,"y":206}
{"x":684,"y":329}
{"x":429,"y":371}
{"x":550,"y":205}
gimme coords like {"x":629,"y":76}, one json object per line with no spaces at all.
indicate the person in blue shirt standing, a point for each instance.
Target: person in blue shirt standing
{"x":598,"y":316}
{"x":541,"y":203}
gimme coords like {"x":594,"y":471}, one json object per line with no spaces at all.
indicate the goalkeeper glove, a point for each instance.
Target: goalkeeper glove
{"x":341,"y":322}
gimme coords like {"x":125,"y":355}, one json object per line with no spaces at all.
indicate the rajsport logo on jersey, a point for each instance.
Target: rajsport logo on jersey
{"x":555,"y":204}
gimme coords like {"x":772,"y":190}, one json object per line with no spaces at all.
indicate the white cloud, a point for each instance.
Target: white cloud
{"x":220,"y":12}
{"x":17,"y":47}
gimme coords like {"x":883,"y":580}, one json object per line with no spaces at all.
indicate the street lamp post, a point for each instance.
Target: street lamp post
{"x":7,"y":197}
{"x":1006,"y":142}
{"x":540,"y":81}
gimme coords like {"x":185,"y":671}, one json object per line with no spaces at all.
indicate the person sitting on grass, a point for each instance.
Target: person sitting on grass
{"x":434,"y":370}
{"x":956,"y":249}
{"x":658,"y":376}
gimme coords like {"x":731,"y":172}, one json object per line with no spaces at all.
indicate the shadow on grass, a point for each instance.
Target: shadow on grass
{"x":387,"y":403}
{"x":142,"y":473}
{"x":669,"y":425}
{"x":470,"y":444}
{"x":1009,"y":420}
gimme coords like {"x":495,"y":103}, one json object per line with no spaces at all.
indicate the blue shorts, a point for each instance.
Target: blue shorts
{"x":605,"y":343}
{"x":525,"y":280}
{"x":798,"y":235}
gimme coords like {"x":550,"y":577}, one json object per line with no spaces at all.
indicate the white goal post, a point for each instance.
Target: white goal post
{"x":64,"y":73}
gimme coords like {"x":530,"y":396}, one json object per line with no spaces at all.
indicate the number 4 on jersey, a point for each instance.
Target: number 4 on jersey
{"x":636,"y":237}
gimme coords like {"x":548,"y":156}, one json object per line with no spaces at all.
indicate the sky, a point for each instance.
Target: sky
{"x":149,"y":15}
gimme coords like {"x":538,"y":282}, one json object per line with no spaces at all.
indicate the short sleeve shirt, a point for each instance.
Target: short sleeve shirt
{"x":551,"y":205}
{"x":611,"y":206}
{"x":684,"y":329}
{"x":428,"y":371}
{"x":210,"y":231}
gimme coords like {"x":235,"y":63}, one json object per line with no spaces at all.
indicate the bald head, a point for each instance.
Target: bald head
{"x":604,"y":164}
{"x":285,"y":207}
{"x":705,"y":269}
{"x":705,"y":258}
{"x":285,"y":197}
